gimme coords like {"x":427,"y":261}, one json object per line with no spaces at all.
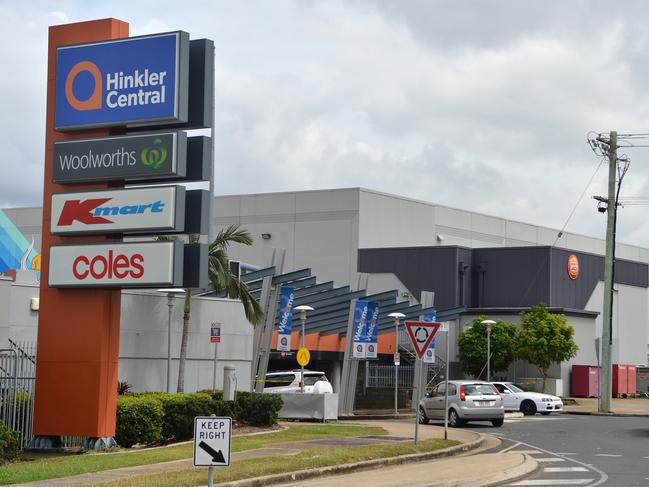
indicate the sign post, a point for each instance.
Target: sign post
{"x":421,"y":334}
{"x":215,"y":338}
{"x":98,"y":78}
{"x":212,"y":443}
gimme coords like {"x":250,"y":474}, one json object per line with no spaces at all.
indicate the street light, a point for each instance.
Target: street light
{"x":171,"y":293}
{"x":397,"y":317}
{"x":303,"y":308}
{"x":488,"y":323}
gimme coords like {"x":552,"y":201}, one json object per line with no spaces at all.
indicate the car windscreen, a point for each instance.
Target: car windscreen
{"x":479,"y":389}
{"x":310,"y":380}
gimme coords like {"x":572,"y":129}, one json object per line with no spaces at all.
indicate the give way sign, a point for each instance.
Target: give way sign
{"x":421,"y":333}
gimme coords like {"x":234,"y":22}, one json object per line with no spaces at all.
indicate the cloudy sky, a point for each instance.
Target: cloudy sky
{"x":480,"y":105}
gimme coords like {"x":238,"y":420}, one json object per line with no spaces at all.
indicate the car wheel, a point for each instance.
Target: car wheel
{"x":453,"y":419}
{"x":498,"y":422}
{"x":528,"y":408}
{"x":423,"y":419}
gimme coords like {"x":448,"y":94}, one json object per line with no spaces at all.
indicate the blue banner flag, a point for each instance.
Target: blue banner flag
{"x":285,"y":318}
{"x":360,"y":322}
{"x":372,"y":334}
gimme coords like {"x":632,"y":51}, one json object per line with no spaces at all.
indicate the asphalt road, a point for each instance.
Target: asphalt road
{"x":579,"y":450}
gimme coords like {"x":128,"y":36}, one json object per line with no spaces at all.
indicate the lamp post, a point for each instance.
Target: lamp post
{"x":171,"y":293}
{"x":302,"y":309}
{"x":488,"y":323}
{"x":397,"y":317}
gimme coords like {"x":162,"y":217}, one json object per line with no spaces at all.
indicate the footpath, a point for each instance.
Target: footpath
{"x":465,"y":465}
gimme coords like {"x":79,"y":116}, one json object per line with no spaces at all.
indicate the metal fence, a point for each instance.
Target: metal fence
{"x":17,"y":378}
{"x":377,"y":375}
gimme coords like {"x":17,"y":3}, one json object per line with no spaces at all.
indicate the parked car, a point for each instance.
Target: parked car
{"x":515,"y":398}
{"x":468,"y":400}
{"x":315,"y":382}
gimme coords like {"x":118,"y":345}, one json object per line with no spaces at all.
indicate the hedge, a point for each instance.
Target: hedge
{"x":150,"y":418}
{"x":139,"y":420}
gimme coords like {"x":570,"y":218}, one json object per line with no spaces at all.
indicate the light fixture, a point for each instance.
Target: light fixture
{"x":265,"y":236}
{"x":440,"y":237}
{"x":34,"y":304}
{"x":489,"y":323}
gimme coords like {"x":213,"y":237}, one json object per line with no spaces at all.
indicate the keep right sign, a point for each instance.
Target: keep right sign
{"x":421,"y":333}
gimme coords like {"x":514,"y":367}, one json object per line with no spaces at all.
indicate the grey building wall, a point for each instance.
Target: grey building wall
{"x":143,"y":335}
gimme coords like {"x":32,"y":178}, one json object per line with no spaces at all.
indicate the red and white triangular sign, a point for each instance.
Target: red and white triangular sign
{"x":421,"y":333}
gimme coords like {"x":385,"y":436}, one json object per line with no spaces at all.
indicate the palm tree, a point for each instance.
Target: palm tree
{"x":223,"y":282}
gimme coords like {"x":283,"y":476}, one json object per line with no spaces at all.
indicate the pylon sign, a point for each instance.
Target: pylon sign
{"x":421,"y":333}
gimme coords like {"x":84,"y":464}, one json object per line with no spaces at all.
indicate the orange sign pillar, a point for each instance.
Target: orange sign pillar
{"x":78,"y":330}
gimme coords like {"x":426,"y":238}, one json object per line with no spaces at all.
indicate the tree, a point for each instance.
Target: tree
{"x":223,"y":282}
{"x":472,"y":345}
{"x":544,"y":339}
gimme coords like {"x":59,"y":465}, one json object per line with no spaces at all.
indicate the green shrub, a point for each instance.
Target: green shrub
{"x":258,"y":409}
{"x":152,"y":417}
{"x":9,"y":443}
{"x":180,"y":411}
{"x":139,"y":420}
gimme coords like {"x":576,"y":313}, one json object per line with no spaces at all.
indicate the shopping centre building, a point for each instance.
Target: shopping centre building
{"x":475,"y":264}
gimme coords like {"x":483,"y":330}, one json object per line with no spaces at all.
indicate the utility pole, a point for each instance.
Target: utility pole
{"x":607,"y":315}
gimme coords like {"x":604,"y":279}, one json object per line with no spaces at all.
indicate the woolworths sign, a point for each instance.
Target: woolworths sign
{"x":151,"y":156}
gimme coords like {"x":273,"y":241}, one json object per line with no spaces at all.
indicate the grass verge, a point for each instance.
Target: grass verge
{"x":65,"y":466}
{"x":271,"y":465}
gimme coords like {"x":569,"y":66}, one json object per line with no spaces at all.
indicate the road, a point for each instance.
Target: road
{"x":579,"y":450}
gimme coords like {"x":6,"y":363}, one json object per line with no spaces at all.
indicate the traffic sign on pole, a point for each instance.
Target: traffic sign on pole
{"x":303,"y":356}
{"x":215,"y":332}
{"x":212,"y":439}
{"x":421,"y":333}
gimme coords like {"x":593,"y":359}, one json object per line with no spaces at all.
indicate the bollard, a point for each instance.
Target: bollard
{"x":229,"y":382}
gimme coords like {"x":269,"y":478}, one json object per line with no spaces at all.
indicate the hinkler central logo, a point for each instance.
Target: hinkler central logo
{"x":122,"y":89}
{"x":136,"y":80}
{"x":93,"y":211}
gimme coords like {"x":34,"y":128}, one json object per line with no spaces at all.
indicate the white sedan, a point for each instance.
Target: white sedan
{"x":529,"y":403}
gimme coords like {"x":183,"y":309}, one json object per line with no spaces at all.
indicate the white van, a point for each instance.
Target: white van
{"x":315,"y":382}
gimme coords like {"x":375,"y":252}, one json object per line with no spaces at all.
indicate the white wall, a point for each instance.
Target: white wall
{"x":630,"y":322}
{"x":318,"y":229}
{"x":143,"y":336}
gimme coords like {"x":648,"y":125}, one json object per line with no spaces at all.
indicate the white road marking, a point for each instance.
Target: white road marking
{"x":603,"y":477}
{"x":565,"y":469}
{"x":554,"y":482}
{"x":606,"y":455}
{"x":529,"y":452}
{"x":565,"y":454}
{"x":550,"y":460}
{"x":510,"y":447}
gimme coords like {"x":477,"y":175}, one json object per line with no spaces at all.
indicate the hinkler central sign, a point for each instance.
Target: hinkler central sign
{"x":139,"y":264}
{"x":127,"y":81}
{"x":150,"y":209}
{"x":150,"y":156}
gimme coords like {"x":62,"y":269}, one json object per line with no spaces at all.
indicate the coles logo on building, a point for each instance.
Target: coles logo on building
{"x":573,"y":267}
{"x":118,"y":265}
{"x":122,"y":81}
{"x":153,"y":208}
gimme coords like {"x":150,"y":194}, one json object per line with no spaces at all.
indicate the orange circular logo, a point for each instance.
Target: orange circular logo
{"x":573,"y":267}
{"x":92,"y":103}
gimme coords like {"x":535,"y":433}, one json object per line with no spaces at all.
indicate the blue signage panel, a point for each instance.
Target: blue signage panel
{"x":429,"y":355}
{"x":360,"y":322}
{"x":138,"y":80}
{"x":285,"y":318}
{"x":372,"y":333}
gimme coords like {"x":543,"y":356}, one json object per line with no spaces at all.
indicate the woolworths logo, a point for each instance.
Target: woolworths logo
{"x":154,"y":156}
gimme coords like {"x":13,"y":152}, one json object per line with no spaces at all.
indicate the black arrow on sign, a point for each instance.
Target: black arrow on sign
{"x":217,"y":456}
